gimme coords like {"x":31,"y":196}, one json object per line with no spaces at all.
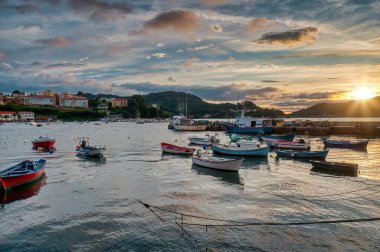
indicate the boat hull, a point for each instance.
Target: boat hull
{"x":200,"y":141}
{"x":43,"y":144}
{"x":303,"y":154}
{"x":343,"y":168}
{"x":285,"y":144}
{"x":90,"y":153}
{"x":249,"y":130}
{"x":345,"y":144}
{"x":190,"y":127}
{"x":9,"y":182}
{"x":173,"y":149}
{"x":261,"y":152}
{"x":219,"y":163}
{"x":289,"y":137}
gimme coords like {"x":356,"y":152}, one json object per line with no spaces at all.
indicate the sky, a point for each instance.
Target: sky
{"x":286,"y":54}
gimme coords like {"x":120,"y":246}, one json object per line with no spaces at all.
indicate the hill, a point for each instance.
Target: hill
{"x":174,"y":103}
{"x":365,"y":108}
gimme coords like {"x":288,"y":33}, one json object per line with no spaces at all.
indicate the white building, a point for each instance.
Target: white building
{"x":26,"y":115}
{"x":75,"y":102}
{"x":40,"y":100}
{"x":8,"y":116}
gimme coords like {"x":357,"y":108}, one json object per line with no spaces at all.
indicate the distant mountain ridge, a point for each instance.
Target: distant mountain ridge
{"x":355,"y":108}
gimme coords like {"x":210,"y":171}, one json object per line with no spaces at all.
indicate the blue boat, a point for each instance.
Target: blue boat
{"x":289,"y":137}
{"x":242,"y":149}
{"x":345,"y":144}
{"x":302,"y":154}
{"x":248,"y":125}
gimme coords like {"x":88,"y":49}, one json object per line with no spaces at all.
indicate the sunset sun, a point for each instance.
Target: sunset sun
{"x":363,"y":93}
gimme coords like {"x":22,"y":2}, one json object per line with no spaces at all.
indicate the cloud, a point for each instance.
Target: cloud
{"x":212,"y":3}
{"x":179,"y":51}
{"x":293,"y":37}
{"x":65,"y":64}
{"x":258,"y":24}
{"x":160,"y":44}
{"x":99,"y":10}
{"x":33,"y":25}
{"x":58,"y":41}
{"x":3,"y":56}
{"x":175,"y":20}
{"x":190,"y":62}
{"x":217,"y":28}
{"x":27,"y":7}
{"x":313,"y":96}
{"x":171,"y":79}
{"x":198,"y":48}
{"x":269,"y":81}
{"x":160,"y":55}
{"x":232,"y":92}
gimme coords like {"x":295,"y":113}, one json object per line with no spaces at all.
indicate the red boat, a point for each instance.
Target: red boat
{"x":174,"y":149}
{"x":22,"y":173}
{"x":43,"y":142}
{"x":23,"y":192}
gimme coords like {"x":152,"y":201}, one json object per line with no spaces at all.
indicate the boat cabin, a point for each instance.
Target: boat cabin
{"x":176,"y":119}
{"x":244,"y":122}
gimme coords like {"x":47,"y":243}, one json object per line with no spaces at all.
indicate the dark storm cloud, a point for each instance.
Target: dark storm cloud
{"x":58,"y":41}
{"x":176,"y":20}
{"x":100,"y":10}
{"x":230,"y":92}
{"x":303,"y":35}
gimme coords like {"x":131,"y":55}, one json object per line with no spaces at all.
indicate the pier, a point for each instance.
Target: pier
{"x":318,"y":128}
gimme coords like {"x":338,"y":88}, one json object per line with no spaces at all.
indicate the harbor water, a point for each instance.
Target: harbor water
{"x":97,"y":204}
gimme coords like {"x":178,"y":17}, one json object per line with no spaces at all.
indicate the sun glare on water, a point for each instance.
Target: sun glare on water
{"x":363,"y":93}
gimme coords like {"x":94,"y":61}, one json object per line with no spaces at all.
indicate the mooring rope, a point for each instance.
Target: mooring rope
{"x":243,"y":223}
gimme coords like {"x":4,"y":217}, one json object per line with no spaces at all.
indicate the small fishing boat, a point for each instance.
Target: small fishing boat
{"x":217,"y":162}
{"x":302,"y":154}
{"x":174,"y":149}
{"x":243,"y":148}
{"x":289,"y":137}
{"x":344,"y":168}
{"x":22,"y":173}
{"x":207,"y":140}
{"x":299,"y":144}
{"x":235,"y":138}
{"x":345,"y":144}
{"x":85,"y":149}
{"x":43,"y":142}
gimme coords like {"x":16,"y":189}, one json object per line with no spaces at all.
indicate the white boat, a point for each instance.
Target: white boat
{"x":207,"y":140}
{"x":218,"y":163}
{"x":243,"y":148}
{"x":85,"y":149}
{"x":298,"y":144}
{"x":33,"y":123}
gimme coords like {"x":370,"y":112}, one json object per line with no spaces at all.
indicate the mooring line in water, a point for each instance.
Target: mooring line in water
{"x":243,"y":223}
{"x":179,"y":224}
{"x":284,"y":223}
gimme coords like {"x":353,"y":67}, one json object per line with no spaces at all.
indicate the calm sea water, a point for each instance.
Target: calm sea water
{"x":86,"y":204}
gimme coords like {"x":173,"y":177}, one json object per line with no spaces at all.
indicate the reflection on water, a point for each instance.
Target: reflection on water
{"x":226,"y":176}
{"x":317,"y":171}
{"x":101,"y":159}
{"x":22,"y":192}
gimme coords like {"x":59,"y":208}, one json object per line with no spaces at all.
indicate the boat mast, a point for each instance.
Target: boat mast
{"x":186,"y":106}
